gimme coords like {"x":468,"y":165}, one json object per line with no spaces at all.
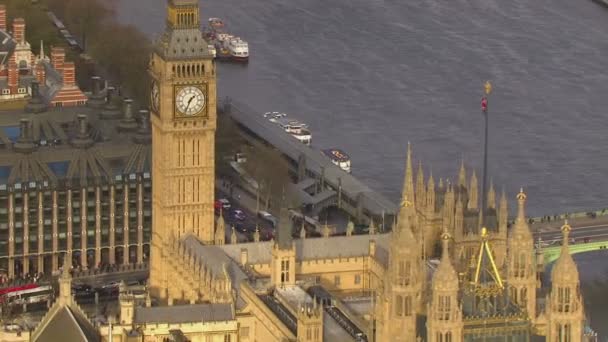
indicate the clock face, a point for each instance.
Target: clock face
{"x":190,"y":101}
{"x":155,"y":97}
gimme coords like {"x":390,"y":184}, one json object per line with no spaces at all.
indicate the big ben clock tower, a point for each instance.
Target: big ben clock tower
{"x":183,"y":107}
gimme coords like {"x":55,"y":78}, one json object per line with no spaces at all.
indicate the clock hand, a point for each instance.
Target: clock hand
{"x":189,"y":101}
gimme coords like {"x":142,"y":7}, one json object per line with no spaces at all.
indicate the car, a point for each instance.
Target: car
{"x":268,"y":217}
{"x":225,"y":203}
{"x":239,"y":215}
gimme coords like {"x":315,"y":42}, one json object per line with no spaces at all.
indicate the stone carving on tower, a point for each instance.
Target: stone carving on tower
{"x":183,"y":107}
{"x":444,"y":312}
{"x":565,"y":314}
{"x":401,"y":300}
{"x":521,"y":265}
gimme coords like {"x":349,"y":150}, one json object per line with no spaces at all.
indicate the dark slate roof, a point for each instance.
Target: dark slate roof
{"x":66,"y":325}
{"x":184,"y":313}
{"x":58,"y":158}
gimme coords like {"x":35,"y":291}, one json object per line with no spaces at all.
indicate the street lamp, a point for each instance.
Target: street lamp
{"x":484,"y":110}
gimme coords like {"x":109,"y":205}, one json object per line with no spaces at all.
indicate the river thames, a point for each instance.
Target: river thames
{"x":369,"y":76}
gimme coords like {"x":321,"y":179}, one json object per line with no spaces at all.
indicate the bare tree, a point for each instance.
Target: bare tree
{"x":270,"y":170}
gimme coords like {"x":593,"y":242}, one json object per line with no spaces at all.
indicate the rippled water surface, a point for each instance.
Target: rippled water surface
{"x":369,"y":76}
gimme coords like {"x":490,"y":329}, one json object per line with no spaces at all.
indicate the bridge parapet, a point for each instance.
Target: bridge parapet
{"x":551,"y":254}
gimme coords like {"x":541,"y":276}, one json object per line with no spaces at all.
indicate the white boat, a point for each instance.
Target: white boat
{"x":295,"y":128}
{"x":212,"y":50}
{"x":239,"y":49}
{"x":339,"y":158}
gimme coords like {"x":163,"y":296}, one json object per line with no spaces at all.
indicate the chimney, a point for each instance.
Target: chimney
{"x":109,"y":93}
{"x":40,"y":73}
{"x":83,"y":126}
{"x":13,"y":75}
{"x":69,"y":74}
{"x":35,"y":103}
{"x":128,"y":122}
{"x":3,"y":17}
{"x":25,"y":143}
{"x":19,"y":30}
{"x":58,"y":59}
{"x":96,"y":85}
{"x":82,"y":138}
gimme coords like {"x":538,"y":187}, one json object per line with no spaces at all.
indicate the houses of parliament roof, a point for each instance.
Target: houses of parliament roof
{"x":75,"y":146}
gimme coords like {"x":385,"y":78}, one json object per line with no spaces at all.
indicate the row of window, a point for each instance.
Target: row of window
{"x":7,"y":91}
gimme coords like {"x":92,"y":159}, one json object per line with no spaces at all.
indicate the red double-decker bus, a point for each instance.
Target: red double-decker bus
{"x":28,"y":293}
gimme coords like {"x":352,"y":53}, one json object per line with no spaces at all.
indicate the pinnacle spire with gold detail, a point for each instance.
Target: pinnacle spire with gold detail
{"x":408,"y":183}
{"x":420,"y":188}
{"x":521,"y":229}
{"x":491,"y":196}
{"x":473,"y":192}
{"x":462,"y":175}
{"x":565,"y":270}
{"x":446,"y":275}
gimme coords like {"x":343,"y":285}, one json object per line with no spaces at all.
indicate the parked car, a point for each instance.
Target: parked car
{"x":239,"y":215}
{"x":268,"y":217}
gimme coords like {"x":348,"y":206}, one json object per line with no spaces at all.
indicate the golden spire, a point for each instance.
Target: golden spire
{"x":445,"y":277}
{"x":491,"y":196}
{"x":372,"y":227}
{"x":430,"y":194}
{"x":565,"y":270}
{"x":420,"y":189}
{"x":462,"y":175}
{"x":408,"y":183}
{"x":521,"y":229}
{"x":233,"y":238}
{"x":350,"y":228}
{"x":256,"y":234}
{"x":303,"y":231}
{"x":473,"y":192}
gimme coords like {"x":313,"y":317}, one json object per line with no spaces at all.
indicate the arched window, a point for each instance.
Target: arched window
{"x":523,"y":296}
{"x":407,"y":306}
{"x":443,"y":308}
{"x":404,"y":273}
{"x":398,"y":306}
{"x":563,"y":299}
{"x":448,"y":336}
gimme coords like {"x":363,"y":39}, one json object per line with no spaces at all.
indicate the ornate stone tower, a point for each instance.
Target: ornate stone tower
{"x":310,"y":323}
{"x":283,"y":264}
{"x":565,"y":306}
{"x":183,"y":107}
{"x":402,"y":296}
{"x":444,"y":320}
{"x":521,"y":264}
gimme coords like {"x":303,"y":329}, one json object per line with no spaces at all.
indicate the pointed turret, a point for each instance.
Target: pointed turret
{"x":65,"y":280}
{"x":459,"y":220}
{"x":440,"y":184}
{"x":408,"y":183}
{"x":220,"y":230}
{"x":491,"y":196}
{"x":473,"y":192}
{"x":521,"y":263}
{"x":256,"y":234}
{"x":521,"y":229}
{"x":233,"y":238}
{"x":420,"y":188}
{"x":430,"y":194}
{"x":444,"y":319}
{"x":445,"y":276}
{"x":350,"y":228}
{"x":303,"y":231}
{"x":565,"y":311}
{"x":565,"y":270}
{"x":326,"y":231}
{"x":462,"y":175}
{"x":503,"y":214}
{"x":372,"y":227}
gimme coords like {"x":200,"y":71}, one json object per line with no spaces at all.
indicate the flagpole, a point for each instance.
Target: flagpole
{"x":484,"y":110}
